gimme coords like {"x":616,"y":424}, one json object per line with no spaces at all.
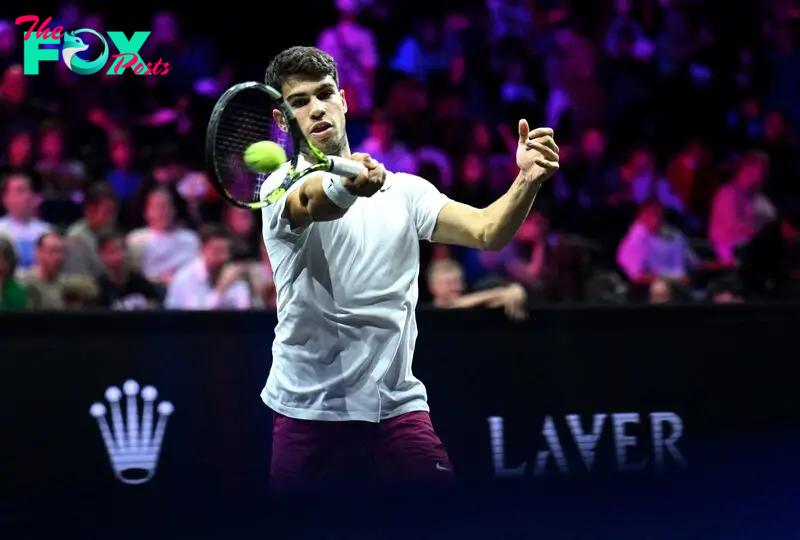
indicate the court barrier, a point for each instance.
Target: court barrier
{"x":160,"y":412}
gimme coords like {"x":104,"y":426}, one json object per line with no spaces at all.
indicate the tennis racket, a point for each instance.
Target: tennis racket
{"x":243,"y":116}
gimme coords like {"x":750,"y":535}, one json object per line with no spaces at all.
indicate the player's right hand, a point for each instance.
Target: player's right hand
{"x":368,"y":182}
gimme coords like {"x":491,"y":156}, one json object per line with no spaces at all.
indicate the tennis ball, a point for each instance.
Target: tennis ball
{"x":264,"y":156}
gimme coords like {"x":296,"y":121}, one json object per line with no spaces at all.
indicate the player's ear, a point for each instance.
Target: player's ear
{"x":278,"y":116}
{"x":344,"y":100}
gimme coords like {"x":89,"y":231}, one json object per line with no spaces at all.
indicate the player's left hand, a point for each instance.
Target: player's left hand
{"x":537,"y":153}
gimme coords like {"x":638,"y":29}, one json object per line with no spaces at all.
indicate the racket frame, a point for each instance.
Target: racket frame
{"x":299,"y":141}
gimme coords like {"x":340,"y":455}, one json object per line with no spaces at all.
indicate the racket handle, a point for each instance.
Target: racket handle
{"x":345,"y":167}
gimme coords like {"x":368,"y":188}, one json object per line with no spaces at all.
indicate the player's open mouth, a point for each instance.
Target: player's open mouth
{"x":323,"y":128}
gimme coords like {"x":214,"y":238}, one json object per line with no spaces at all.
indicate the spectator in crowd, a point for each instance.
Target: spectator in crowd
{"x":121,"y":287}
{"x":537,"y":260}
{"x":20,"y":224}
{"x":355,"y":50}
{"x":640,"y":182}
{"x":100,"y":216}
{"x":44,"y":281}
{"x":245,"y":236}
{"x":446,"y":285}
{"x":123,"y":177}
{"x":18,"y":158}
{"x":13,"y":295}
{"x":162,"y":248}
{"x":740,"y":210}
{"x":629,"y":86}
{"x":211,"y":281}
{"x":770,"y":266}
{"x":382,"y":145}
{"x":660,"y":291}
{"x":652,"y":249}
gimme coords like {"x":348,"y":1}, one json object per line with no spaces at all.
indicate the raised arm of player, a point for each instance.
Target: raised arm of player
{"x":491,"y":228}
{"x":310,"y":202}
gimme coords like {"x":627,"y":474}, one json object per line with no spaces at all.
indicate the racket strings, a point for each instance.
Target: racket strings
{"x":246,"y":119}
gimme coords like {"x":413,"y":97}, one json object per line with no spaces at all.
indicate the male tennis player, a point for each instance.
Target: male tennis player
{"x":345,"y":254}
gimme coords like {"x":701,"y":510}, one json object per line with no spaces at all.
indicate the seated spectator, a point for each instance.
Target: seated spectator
{"x":641,"y":182}
{"x":18,"y":158}
{"x":653,"y":249}
{"x":770,"y":263}
{"x":162,"y":248}
{"x":245,"y":237}
{"x":121,"y":287}
{"x":44,"y":281}
{"x":211,"y":281}
{"x":446,"y":285}
{"x":19,"y":224}
{"x":382,"y":145}
{"x":660,"y":291}
{"x":100,"y":216}
{"x":123,"y":177}
{"x":549,"y":270}
{"x":739,"y":209}
{"x":12,"y":295}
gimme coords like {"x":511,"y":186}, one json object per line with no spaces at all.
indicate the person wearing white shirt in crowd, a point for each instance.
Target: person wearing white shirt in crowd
{"x":651,"y":249}
{"x":345,"y":256}
{"x":19,"y":224}
{"x":211,"y":281}
{"x":162,"y":247}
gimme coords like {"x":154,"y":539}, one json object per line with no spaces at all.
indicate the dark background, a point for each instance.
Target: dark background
{"x":724,"y":371}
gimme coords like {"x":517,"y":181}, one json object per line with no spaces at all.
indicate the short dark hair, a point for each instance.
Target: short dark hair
{"x":6,"y":181}
{"x":8,"y":253}
{"x":44,"y":236}
{"x":212,"y":231}
{"x":98,"y":193}
{"x":108,"y":237}
{"x":308,"y":63}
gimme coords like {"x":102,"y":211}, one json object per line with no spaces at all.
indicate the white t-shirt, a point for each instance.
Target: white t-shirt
{"x":163,"y":252}
{"x":346,"y":299}
{"x":24,"y":237}
{"x":191,"y":289}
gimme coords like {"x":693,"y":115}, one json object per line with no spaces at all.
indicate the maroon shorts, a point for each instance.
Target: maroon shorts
{"x":309,"y":457}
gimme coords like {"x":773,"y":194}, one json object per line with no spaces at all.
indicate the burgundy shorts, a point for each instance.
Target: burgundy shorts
{"x":311,"y":457}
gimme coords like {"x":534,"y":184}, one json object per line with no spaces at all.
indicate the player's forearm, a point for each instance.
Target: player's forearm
{"x":503,"y":218}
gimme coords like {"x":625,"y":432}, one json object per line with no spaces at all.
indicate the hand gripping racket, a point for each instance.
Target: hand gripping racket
{"x":243,"y":116}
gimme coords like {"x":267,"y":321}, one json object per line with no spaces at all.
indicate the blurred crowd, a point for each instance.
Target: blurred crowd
{"x":678,"y":126}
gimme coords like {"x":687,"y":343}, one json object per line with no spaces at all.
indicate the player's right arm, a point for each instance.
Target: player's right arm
{"x":317,"y":200}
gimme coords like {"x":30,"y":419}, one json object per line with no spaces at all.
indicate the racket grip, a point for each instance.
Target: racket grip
{"x":345,"y":167}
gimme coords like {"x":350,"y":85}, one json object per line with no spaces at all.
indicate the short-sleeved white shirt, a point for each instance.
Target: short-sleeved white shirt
{"x":346,"y":299}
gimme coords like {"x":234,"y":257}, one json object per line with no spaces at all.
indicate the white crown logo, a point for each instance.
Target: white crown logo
{"x":133,"y":449}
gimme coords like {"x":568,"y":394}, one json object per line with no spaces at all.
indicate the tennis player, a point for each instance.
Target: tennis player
{"x":345,"y":257}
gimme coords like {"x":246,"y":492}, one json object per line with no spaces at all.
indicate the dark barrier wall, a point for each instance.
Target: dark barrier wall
{"x":706,"y":394}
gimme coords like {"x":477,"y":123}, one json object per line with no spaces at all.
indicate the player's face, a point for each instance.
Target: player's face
{"x":320,"y":107}
{"x":113,"y":254}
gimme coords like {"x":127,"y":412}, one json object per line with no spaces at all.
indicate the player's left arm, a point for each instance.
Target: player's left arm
{"x":491,"y":228}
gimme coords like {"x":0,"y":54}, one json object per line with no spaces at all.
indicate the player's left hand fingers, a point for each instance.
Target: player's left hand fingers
{"x":546,"y":164}
{"x":546,"y":152}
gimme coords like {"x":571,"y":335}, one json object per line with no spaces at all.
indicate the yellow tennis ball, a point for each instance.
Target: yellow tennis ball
{"x":264,"y":156}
